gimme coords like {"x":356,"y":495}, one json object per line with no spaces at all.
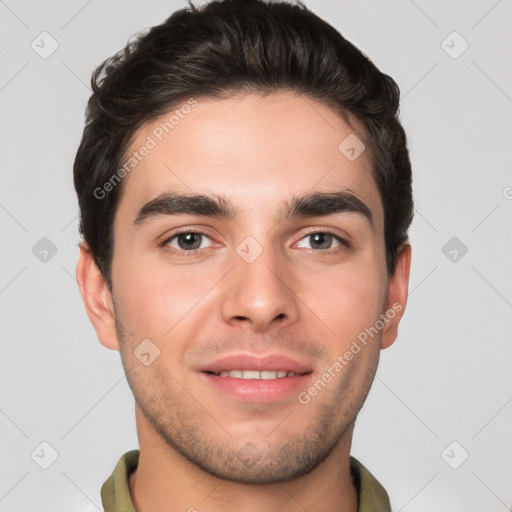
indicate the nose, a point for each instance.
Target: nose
{"x":260,"y":294}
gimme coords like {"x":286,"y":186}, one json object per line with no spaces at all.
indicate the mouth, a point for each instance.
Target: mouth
{"x":254,"y":374}
{"x":248,"y":378}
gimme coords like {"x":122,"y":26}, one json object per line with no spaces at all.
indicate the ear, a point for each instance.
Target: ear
{"x":397,"y":296}
{"x":97,"y":298}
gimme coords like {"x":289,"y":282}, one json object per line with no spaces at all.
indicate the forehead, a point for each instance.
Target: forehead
{"x":254,"y":149}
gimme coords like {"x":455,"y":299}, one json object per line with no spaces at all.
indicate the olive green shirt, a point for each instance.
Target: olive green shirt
{"x":115,"y":493}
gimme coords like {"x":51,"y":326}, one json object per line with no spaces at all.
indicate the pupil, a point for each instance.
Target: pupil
{"x":188,"y":238}
{"x":322,"y":239}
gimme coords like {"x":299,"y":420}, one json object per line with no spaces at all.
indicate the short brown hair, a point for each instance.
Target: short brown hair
{"x":228,"y":47}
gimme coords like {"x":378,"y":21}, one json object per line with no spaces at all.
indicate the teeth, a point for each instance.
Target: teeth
{"x":254,"y":374}
{"x":250,"y":374}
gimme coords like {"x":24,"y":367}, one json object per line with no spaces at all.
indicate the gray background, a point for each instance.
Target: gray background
{"x":446,"y":379}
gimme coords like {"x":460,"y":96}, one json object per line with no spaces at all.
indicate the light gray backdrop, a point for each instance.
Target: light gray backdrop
{"x":435,"y":429}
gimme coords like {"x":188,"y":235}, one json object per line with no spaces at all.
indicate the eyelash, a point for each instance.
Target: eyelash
{"x":193,"y":252}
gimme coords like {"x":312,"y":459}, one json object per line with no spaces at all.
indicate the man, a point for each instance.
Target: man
{"x":245,"y":194}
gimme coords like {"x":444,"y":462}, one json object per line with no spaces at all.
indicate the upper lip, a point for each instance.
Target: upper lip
{"x":272,"y":362}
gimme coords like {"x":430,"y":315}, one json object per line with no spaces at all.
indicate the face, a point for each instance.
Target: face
{"x":237,"y":306}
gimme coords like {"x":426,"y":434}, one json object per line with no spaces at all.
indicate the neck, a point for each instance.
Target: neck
{"x":166,"y":481}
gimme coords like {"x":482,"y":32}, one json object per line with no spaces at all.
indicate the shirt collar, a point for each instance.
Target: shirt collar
{"x":115,"y":492}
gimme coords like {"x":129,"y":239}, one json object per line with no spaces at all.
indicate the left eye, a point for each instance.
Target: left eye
{"x":323,"y":240}
{"x":187,"y":241}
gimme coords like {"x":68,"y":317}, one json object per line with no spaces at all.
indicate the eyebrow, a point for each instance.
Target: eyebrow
{"x":317,"y":204}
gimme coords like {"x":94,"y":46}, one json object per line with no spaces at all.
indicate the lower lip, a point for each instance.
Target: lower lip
{"x":259,"y":390}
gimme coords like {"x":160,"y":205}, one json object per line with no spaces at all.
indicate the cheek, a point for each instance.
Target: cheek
{"x":347,"y":300}
{"x":156,"y":301}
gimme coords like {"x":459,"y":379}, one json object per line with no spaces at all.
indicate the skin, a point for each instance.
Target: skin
{"x":198,"y":447}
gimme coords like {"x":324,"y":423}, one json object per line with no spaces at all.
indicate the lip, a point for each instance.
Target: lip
{"x":272,"y":362}
{"x":257,"y":390}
